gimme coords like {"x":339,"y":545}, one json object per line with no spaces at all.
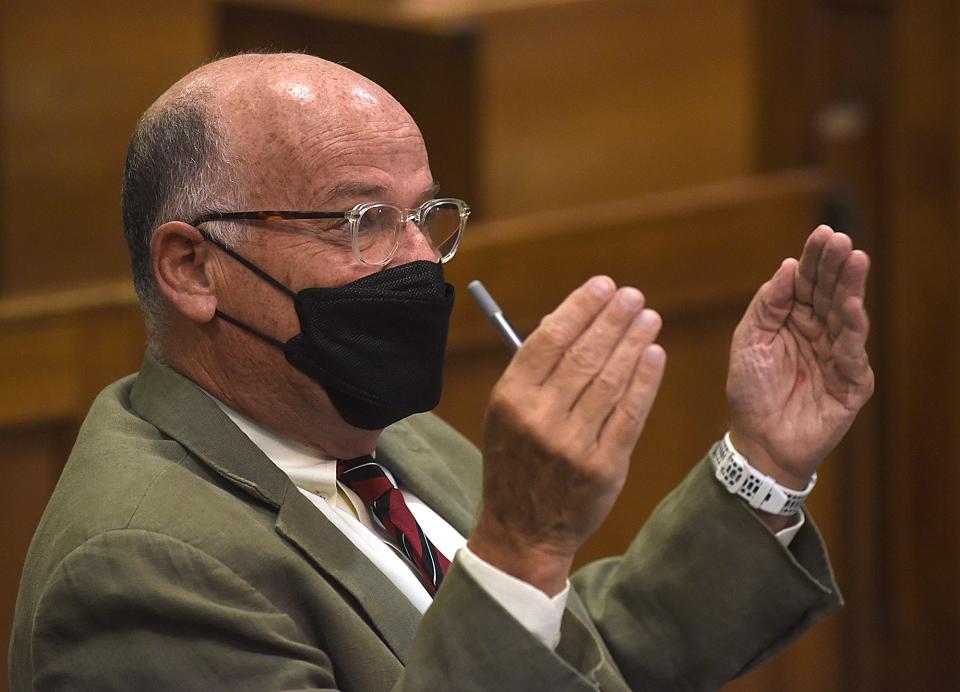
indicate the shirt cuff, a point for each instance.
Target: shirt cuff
{"x":538,"y":613}
{"x":785,"y":536}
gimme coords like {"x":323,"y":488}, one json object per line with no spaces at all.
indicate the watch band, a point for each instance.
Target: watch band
{"x":759,"y":490}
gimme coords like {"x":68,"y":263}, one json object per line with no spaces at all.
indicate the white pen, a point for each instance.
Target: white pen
{"x":495,"y":315}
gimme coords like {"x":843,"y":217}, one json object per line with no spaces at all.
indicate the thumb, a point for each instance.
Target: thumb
{"x":771,"y":305}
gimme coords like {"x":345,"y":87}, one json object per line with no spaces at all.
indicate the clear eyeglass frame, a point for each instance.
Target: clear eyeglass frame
{"x":446,"y":250}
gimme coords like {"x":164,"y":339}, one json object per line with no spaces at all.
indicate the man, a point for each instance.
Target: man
{"x":221,"y":523}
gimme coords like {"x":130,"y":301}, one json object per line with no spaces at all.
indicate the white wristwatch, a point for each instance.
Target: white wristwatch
{"x":759,"y":490}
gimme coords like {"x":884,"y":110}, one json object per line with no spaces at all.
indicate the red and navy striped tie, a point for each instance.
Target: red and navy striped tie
{"x":367,"y":479}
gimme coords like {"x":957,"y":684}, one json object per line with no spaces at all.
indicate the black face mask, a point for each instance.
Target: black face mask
{"x":375,"y":344}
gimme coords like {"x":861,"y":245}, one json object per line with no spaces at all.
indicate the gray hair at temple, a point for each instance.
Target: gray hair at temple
{"x":178,"y":166}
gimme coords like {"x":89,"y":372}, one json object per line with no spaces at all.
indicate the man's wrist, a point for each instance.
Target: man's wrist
{"x":774,"y":503}
{"x":537,"y":565}
{"x":764,"y":462}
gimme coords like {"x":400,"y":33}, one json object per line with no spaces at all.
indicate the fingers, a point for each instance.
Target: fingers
{"x":852,"y":283}
{"x":624,"y":425}
{"x":850,"y":354}
{"x":607,"y":388}
{"x":587,"y":357}
{"x":831,"y":272}
{"x":823,"y":264}
{"x":543,"y":349}
{"x":833,"y":257}
{"x":591,"y":361}
{"x":809,"y":261}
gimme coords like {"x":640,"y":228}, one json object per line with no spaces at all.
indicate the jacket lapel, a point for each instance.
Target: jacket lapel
{"x":387,"y":610}
{"x":181,"y":410}
{"x":418,"y":467}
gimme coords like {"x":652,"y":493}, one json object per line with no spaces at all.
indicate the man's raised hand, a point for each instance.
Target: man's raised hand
{"x":799,"y":371}
{"x":561,"y":425}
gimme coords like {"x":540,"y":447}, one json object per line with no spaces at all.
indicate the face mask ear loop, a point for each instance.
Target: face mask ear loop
{"x":247,"y":328}
{"x":259,"y":272}
{"x":248,"y":264}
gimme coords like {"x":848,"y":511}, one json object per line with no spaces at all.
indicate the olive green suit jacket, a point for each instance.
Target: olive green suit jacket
{"x":174,"y":555}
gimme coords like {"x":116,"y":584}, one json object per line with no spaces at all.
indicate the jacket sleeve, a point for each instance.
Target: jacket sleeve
{"x":467,"y":641}
{"x":705,"y":591}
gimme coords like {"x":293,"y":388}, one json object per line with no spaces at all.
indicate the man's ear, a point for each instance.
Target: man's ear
{"x":181,"y":265}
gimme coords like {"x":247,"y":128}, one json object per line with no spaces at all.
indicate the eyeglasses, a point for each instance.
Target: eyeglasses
{"x":373,"y":229}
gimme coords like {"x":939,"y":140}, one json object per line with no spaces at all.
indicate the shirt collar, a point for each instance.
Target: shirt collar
{"x":307,"y":468}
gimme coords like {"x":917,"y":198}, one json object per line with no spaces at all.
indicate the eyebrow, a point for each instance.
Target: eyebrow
{"x":432,"y":192}
{"x":354,"y":189}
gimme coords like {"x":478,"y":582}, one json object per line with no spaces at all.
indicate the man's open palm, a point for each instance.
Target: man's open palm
{"x":799,"y":371}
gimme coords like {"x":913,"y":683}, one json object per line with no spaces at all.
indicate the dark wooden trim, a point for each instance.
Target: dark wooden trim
{"x":919,"y":373}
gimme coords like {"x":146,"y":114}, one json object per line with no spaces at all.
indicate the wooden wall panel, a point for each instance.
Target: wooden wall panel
{"x":57,"y":350}
{"x":604,"y":100}
{"x":812,"y":55}
{"x":920,"y":371}
{"x":75,"y":77}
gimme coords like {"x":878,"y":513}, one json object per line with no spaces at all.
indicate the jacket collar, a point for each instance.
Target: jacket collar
{"x":179,"y":408}
{"x":418,"y":466}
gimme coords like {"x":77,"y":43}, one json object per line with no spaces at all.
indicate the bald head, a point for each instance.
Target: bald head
{"x":287,"y":114}
{"x":285,"y":86}
{"x":256,"y":131}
